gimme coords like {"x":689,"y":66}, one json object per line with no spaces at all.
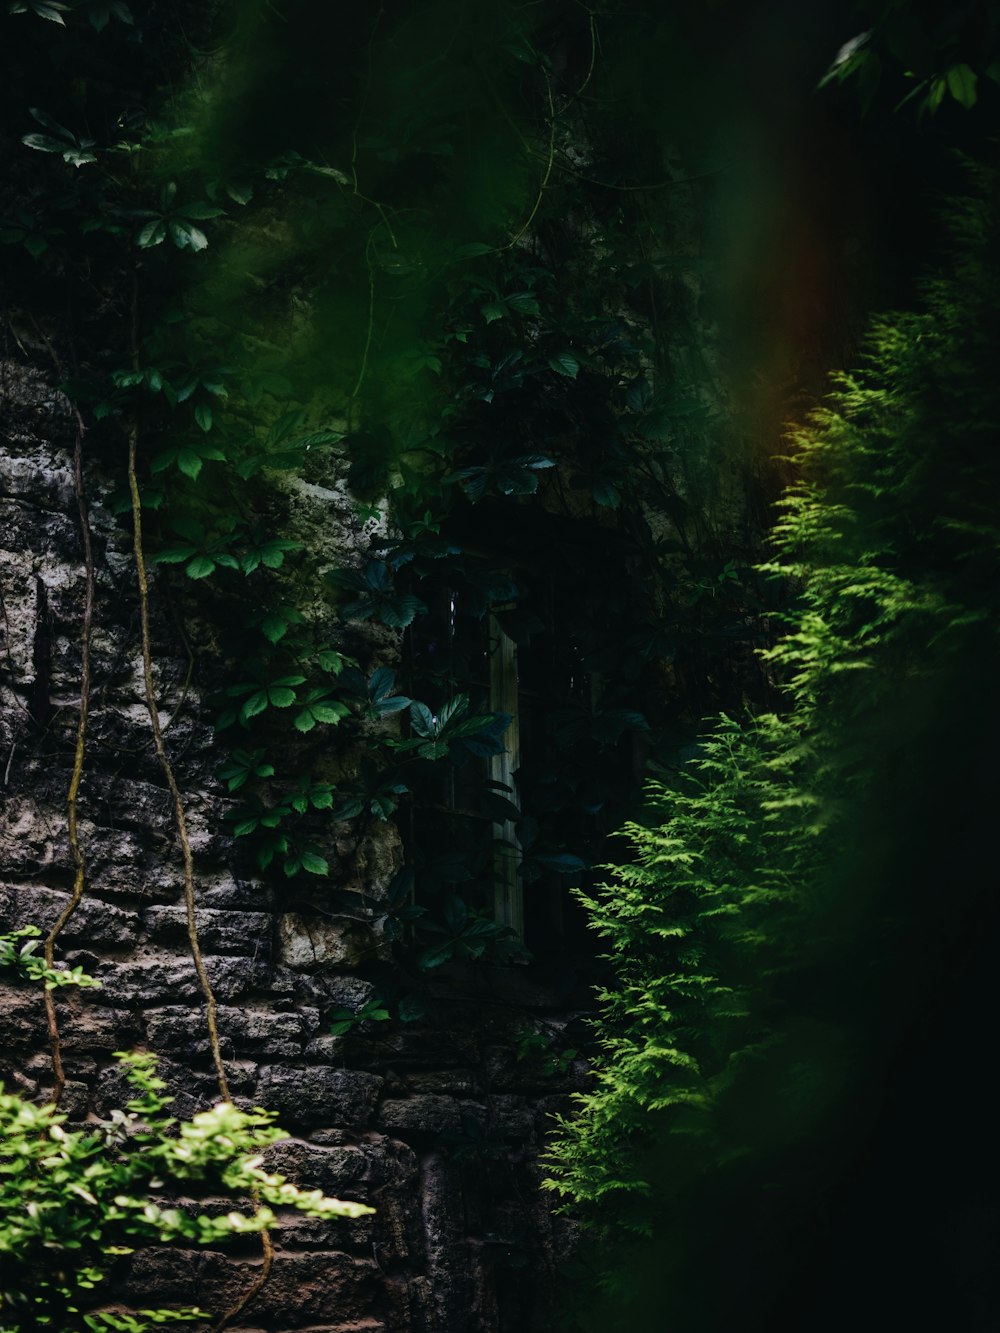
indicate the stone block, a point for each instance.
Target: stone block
{"x":94,"y":923}
{"x":378,"y":860}
{"x":302,"y":1288}
{"x":241,"y":895}
{"x":510,"y":1117}
{"x":427,"y":1115}
{"x":315,"y":1286}
{"x":176,"y":1029}
{"x":49,"y":486}
{"x":121,"y":864}
{"x":317,"y":944}
{"x":20,"y":589}
{"x":75,"y":1100}
{"x":310,"y":1166}
{"x":447,"y":1082}
{"x":325,"y":1048}
{"x":154,"y":976}
{"x":320,"y":1095}
{"x":192,"y":1090}
{"x":262,"y":1033}
{"x":23,"y":1012}
{"x":30,"y":841}
{"x":411,"y":1048}
{"x":219,"y":931}
{"x":86,"y":1027}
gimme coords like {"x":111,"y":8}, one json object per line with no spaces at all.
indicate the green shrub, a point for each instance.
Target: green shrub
{"x":74,"y":1201}
{"x":806,"y":885}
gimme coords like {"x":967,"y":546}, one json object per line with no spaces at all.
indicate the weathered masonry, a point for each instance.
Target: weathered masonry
{"x":438,"y":1123}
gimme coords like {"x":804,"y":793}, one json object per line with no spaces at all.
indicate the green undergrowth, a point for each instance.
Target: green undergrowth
{"x":799,"y":918}
{"x":76,"y":1201}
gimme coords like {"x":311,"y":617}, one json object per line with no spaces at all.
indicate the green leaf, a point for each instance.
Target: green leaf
{"x":329,"y":712}
{"x":606,"y":494}
{"x":315,"y":865}
{"x":186,"y":236}
{"x":43,"y":143}
{"x":434,"y":750}
{"x":51,"y":10}
{"x":563,"y":863}
{"x":401,"y":611}
{"x":188,"y":462}
{"x":422,"y":720}
{"x":203,"y":416}
{"x":273,"y":552}
{"x":151,"y":234}
{"x":348,"y":808}
{"x":200,"y":566}
{"x":524,"y":303}
{"x":565,"y":363}
{"x":436,"y":955}
{"x":78,"y":157}
{"x":962,"y":84}
{"x":319,"y":707}
{"x":935,"y":97}
{"x":274,"y":626}
{"x":201,"y":212}
{"x":255,"y":704}
{"x":452,"y":711}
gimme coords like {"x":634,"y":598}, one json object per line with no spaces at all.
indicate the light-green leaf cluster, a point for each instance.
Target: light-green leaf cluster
{"x":73,"y":1201}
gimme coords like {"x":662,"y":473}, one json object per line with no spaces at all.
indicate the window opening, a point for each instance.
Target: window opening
{"x":535,"y":626}
{"x":508,"y":900}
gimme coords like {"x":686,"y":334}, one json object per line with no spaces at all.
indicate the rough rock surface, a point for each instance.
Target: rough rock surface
{"x":437,"y":1125}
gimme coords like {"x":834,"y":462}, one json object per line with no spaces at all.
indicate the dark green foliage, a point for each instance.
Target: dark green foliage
{"x":415,"y":294}
{"x":924,"y":55}
{"x":810,"y":883}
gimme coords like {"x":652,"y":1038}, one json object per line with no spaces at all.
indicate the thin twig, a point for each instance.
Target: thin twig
{"x":79,"y":865}
{"x":267,"y":1246}
{"x":548,"y":168}
{"x":83,"y":714}
{"x":180,"y":818}
{"x":168,"y":772}
{"x":368,"y":337}
{"x":593,"y":55}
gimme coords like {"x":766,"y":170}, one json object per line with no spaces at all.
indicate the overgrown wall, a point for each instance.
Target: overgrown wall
{"x":437,"y":1125}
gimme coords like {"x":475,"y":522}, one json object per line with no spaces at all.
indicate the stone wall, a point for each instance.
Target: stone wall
{"x":438,"y":1125}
